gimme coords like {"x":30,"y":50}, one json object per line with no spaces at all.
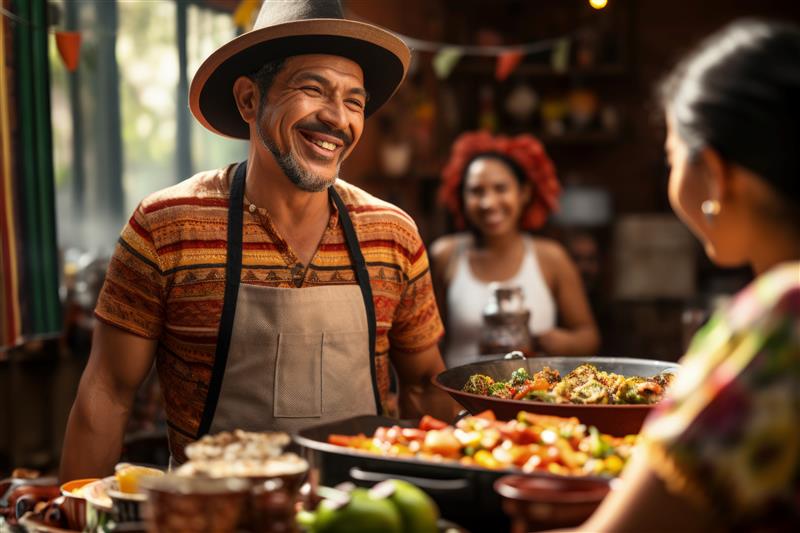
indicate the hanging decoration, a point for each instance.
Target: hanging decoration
{"x":506,"y":63}
{"x":69,"y":48}
{"x":559,"y":59}
{"x":446,"y":55}
{"x":445,"y":61}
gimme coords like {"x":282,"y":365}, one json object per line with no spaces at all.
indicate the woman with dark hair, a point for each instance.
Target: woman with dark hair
{"x":500,"y":188}
{"x":722,"y":452}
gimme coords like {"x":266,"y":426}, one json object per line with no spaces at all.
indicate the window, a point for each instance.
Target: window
{"x":121,"y":124}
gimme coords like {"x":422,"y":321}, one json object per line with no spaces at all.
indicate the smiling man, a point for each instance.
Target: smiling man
{"x":271,"y":294}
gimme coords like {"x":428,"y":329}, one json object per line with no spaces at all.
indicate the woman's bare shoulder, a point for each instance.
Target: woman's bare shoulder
{"x":550,"y":250}
{"x":443,"y":248}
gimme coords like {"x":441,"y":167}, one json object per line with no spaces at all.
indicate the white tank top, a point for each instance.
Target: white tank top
{"x":467,"y":296}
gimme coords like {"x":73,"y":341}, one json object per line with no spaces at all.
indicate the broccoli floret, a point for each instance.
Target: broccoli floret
{"x":519,"y":376}
{"x":664,"y":379}
{"x":541,"y":396}
{"x":629,"y":392}
{"x":478,"y":384}
{"x":590,"y":392}
{"x":500,"y":389}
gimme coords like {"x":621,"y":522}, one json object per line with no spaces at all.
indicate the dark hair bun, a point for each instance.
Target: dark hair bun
{"x":739,"y":93}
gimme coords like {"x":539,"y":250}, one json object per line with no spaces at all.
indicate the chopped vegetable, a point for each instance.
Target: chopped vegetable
{"x":478,"y":384}
{"x":428,"y":422}
{"x":501,"y":389}
{"x":519,"y":377}
{"x":531,"y":442}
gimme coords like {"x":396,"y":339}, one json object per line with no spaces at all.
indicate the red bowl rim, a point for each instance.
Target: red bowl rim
{"x":507,"y":486}
{"x":69,"y":486}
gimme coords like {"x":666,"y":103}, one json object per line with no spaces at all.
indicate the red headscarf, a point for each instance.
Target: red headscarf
{"x":525,"y":150}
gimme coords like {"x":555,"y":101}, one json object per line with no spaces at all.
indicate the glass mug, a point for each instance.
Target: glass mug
{"x":505,"y":322}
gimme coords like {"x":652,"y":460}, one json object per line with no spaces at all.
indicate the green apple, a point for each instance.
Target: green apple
{"x":364,"y":513}
{"x":418,"y":510}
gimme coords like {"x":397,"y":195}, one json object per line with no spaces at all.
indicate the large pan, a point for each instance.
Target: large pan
{"x":617,"y":420}
{"x":464,"y":494}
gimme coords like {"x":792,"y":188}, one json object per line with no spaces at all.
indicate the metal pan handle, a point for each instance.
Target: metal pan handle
{"x":433,"y":485}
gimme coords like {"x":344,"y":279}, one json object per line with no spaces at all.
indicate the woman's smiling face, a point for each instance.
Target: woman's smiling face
{"x":493,"y":197}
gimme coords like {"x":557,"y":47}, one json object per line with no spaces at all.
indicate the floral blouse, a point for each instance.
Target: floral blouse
{"x":728,"y":434}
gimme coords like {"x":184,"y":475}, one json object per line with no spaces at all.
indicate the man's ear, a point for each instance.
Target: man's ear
{"x":246,"y":95}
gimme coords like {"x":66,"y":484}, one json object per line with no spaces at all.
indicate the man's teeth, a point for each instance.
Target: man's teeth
{"x":325,"y":144}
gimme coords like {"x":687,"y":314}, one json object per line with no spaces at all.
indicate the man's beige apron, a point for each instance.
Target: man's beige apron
{"x":297,"y":357}
{"x":290,"y":358}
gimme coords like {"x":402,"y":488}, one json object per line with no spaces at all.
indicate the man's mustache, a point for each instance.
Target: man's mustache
{"x":319,"y":127}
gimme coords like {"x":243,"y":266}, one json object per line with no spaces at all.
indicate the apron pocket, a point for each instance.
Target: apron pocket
{"x":298,"y":376}
{"x":346,"y":376}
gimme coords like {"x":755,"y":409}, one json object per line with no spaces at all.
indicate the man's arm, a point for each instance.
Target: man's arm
{"x":118,"y":364}
{"x":417,"y":395}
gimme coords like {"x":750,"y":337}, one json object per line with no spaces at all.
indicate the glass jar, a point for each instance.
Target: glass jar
{"x":505,"y":322}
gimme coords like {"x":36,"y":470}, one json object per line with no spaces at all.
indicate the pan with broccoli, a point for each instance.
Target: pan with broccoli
{"x":583,"y":385}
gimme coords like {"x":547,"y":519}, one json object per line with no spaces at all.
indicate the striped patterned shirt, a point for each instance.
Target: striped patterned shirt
{"x":166,"y":281}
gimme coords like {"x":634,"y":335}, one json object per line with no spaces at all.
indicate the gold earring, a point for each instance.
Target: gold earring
{"x":710,"y":209}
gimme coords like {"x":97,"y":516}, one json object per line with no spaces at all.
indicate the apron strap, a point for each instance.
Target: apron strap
{"x":233,"y":274}
{"x":362,"y":275}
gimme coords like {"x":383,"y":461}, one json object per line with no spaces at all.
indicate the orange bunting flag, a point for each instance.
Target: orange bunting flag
{"x":506,"y":63}
{"x":69,"y":48}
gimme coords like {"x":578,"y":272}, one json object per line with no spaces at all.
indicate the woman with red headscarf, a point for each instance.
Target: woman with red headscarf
{"x":499,"y":189}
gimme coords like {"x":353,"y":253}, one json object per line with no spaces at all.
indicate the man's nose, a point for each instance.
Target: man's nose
{"x":334,"y":115}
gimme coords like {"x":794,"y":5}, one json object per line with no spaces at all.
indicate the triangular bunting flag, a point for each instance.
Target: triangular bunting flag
{"x":560,"y":58}
{"x":445,"y":61}
{"x":69,"y":48}
{"x":506,"y":63}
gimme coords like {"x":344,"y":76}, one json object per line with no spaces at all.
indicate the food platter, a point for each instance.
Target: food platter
{"x":613,"y":419}
{"x":464,"y":493}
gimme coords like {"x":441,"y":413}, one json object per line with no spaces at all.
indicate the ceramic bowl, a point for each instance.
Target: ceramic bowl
{"x":539,"y":502}
{"x":75,"y":502}
{"x":189,"y":505}
{"x":289,"y":469}
{"x":126,"y":507}
{"x":98,"y":505}
{"x":124,"y":490}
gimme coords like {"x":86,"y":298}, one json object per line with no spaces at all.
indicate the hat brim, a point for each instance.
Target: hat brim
{"x":383,"y":57}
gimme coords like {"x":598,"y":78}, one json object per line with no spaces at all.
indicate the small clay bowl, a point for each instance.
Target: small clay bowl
{"x":538,"y":502}
{"x":75,"y":503}
{"x":195,"y":504}
{"x":98,"y":504}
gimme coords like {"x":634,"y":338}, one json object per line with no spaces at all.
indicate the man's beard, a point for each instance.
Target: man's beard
{"x":302,"y":178}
